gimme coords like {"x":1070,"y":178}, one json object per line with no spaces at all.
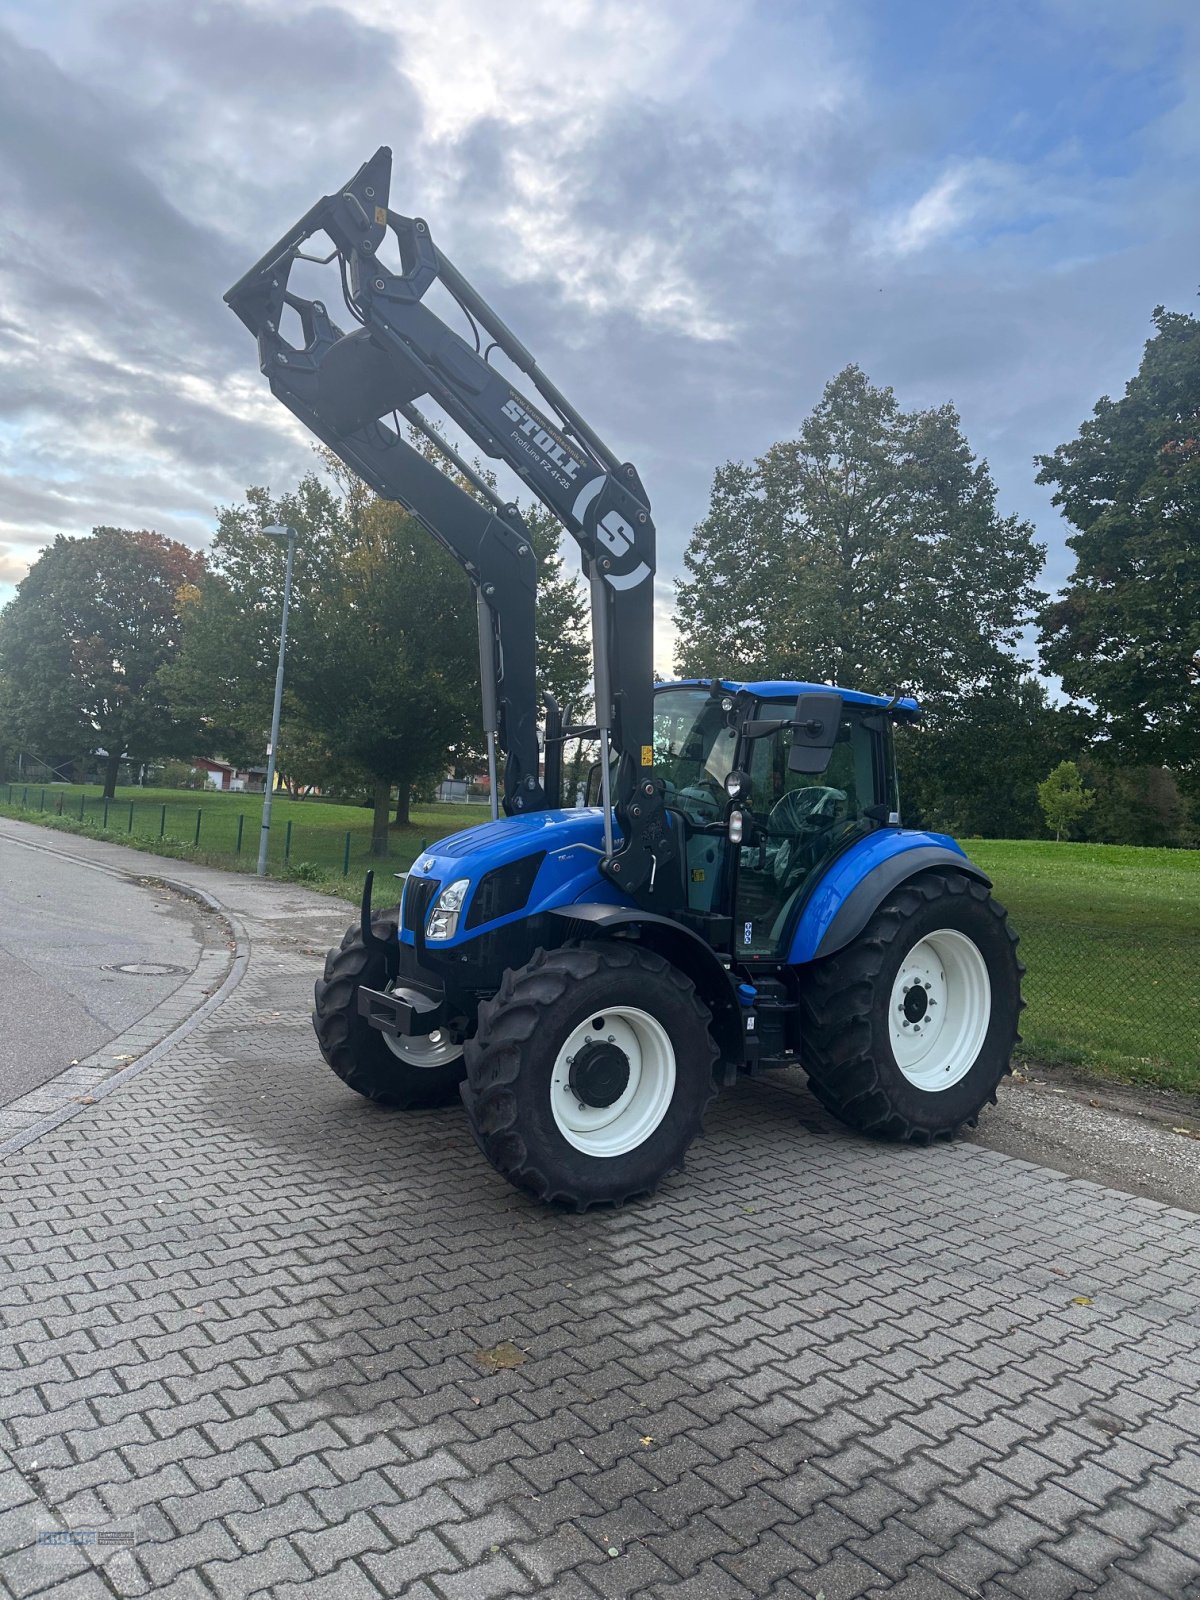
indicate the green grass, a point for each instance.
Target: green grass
{"x":1110,"y":933}
{"x":164,"y":821}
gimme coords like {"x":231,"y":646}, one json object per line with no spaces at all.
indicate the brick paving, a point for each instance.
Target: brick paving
{"x":241,"y":1310}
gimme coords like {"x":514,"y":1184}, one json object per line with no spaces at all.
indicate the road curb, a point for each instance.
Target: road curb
{"x":80,"y":1084}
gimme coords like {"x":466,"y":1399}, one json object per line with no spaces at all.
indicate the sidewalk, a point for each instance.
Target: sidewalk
{"x":243,"y":1317}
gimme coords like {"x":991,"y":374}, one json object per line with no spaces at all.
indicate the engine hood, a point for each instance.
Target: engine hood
{"x":494,"y":844}
{"x":567,"y":845}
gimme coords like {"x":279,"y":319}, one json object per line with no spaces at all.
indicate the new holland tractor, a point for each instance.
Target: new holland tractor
{"x":740,"y":894}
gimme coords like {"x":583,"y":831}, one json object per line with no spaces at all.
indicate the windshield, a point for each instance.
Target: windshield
{"x":693,"y":750}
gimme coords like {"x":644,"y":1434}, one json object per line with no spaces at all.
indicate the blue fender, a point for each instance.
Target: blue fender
{"x":858,"y":882}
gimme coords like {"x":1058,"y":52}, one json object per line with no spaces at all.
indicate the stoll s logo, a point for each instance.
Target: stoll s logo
{"x":613,"y":534}
{"x":556,"y":459}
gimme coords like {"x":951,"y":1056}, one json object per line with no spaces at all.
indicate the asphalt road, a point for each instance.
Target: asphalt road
{"x":66,"y":931}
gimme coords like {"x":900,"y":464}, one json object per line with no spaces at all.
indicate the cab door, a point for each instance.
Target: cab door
{"x":801,"y":821}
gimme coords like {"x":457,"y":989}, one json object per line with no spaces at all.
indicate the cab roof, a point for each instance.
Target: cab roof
{"x":790,"y":689}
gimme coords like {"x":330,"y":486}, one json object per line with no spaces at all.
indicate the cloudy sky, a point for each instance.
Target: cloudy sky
{"x":694,"y":213}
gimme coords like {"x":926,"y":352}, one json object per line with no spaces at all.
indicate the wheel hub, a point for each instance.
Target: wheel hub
{"x":916,"y":1002}
{"x":433,"y":1049}
{"x":939,"y":1011}
{"x":613,"y":1081}
{"x":599,"y":1074}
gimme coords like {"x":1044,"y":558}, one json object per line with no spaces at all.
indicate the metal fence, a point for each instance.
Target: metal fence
{"x":1107,"y":988}
{"x":1125,"y":993}
{"x":215,"y":830}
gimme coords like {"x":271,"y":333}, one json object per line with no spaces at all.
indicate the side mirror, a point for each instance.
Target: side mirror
{"x":814,"y":732}
{"x":591,"y":793}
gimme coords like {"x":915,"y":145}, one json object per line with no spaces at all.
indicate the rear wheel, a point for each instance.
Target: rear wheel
{"x":589,"y":1074}
{"x":910,"y":1029}
{"x":424,"y":1070}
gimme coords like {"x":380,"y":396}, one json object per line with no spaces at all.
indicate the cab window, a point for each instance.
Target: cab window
{"x":694,"y":747}
{"x":803,"y":820}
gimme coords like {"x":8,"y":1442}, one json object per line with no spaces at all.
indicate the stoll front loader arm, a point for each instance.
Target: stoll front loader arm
{"x":343,"y":386}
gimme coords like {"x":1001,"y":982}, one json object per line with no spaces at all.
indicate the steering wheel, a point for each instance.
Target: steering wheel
{"x":706,"y":791}
{"x":800,"y":814}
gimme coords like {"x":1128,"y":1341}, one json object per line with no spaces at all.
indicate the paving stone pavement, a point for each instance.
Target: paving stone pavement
{"x":241,"y":1307}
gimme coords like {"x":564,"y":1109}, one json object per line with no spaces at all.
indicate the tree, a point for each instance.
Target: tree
{"x":381,"y":643}
{"x":388,"y":673}
{"x":972,"y":768}
{"x":564,"y":661}
{"x":563,"y":650}
{"x":382,"y":678}
{"x":1063,"y":798}
{"x":1133,"y":805}
{"x":85,"y":644}
{"x":1125,"y":632}
{"x":867,"y":551}
{"x":224,"y":677}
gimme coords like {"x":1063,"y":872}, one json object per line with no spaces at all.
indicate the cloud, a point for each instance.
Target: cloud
{"x":693,"y":215}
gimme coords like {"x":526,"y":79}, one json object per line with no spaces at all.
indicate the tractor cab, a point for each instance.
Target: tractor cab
{"x":760,"y":828}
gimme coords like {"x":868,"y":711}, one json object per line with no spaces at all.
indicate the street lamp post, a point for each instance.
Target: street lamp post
{"x":276,"y":532}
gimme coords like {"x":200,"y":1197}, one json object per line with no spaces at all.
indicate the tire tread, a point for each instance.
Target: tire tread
{"x":837,"y":1032}
{"x":509,"y":1019}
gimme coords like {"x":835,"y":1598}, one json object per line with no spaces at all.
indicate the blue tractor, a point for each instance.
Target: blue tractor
{"x":739,"y":892}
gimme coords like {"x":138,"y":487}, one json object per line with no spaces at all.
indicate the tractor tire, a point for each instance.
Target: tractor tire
{"x":589,"y":1074}
{"x":908,"y":1031}
{"x":361,"y":1056}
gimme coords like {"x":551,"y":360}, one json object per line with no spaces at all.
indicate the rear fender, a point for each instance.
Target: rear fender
{"x":858,"y":882}
{"x":683,"y":949}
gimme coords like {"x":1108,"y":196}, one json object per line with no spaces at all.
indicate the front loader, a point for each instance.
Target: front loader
{"x":739,"y":893}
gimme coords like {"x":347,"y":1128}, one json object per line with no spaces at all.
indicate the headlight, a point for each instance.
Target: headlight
{"x":443,"y":919}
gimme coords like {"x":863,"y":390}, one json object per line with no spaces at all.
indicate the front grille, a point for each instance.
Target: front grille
{"x":418,"y":896}
{"x":503,"y":890}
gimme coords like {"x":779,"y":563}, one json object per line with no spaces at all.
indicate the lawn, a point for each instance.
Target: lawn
{"x":1110,"y":933}
{"x":320,"y":841}
{"x":1111,"y":938}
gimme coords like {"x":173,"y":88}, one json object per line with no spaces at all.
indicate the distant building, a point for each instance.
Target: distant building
{"x":472,"y":789}
{"x":225,"y":776}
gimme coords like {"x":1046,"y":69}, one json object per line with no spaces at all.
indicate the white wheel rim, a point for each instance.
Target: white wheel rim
{"x":433,"y":1049}
{"x":936,"y":1040}
{"x":616,"y":1129}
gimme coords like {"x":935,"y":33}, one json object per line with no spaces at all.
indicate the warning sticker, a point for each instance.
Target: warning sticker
{"x":647,"y":755}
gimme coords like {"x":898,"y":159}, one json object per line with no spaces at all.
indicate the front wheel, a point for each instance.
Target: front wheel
{"x":909,"y":1030}
{"x":589,"y":1074}
{"x":424,"y":1070}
